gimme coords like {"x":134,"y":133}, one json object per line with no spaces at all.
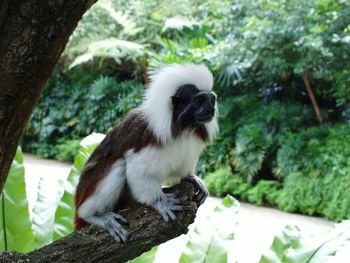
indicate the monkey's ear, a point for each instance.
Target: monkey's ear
{"x":175,"y":99}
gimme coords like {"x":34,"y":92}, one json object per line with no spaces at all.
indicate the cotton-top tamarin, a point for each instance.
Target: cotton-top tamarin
{"x":160,"y":140}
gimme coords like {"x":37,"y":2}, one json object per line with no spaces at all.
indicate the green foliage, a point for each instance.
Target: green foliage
{"x":50,"y":218}
{"x":260,"y":135}
{"x":66,"y":149}
{"x":265,"y":191}
{"x":90,"y":106}
{"x":249,"y":153}
{"x":14,"y":209}
{"x":251,"y":132}
{"x":312,"y":175}
{"x":211,"y":238}
{"x":258,"y":51}
{"x":190,"y":43}
{"x":110,"y":48}
{"x":223,"y":182}
{"x":293,"y":246}
{"x":270,"y":43}
{"x":44,"y":208}
{"x":315,"y":165}
{"x":105,"y":33}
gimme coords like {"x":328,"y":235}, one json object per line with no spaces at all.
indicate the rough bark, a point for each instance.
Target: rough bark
{"x":91,"y":244}
{"x":33,"y":34}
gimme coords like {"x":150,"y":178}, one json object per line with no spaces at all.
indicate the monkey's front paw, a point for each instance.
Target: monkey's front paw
{"x":202,"y":192}
{"x":167,"y":204}
{"x":112,"y":222}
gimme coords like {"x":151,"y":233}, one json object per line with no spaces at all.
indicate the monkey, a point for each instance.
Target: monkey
{"x":159,"y":140}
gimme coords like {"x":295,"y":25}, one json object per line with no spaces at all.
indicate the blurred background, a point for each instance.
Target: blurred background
{"x":282,"y":75}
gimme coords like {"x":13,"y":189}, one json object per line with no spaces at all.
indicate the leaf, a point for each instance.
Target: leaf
{"x":211,"y":236}
{"x":81,"y":59}
{"x":110,"y":48}
{"x":16,"y":227}
{"x":64,"y":216}
{"x":179,"y":23}
{"x":128,"y":23}
{"x":147,"y":257}
{"x":43,"y":214}
{"x":293,"y":246}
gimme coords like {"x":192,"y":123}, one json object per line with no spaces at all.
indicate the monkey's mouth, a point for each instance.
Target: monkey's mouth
{"x":205,"y":118}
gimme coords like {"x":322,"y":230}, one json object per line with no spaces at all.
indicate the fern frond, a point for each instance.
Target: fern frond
{"x":110,"y":48}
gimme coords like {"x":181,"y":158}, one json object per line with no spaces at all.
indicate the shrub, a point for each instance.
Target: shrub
{"x":69,"y":111}
{"x":67,"y":149}
{"x":250,"y":134}
{"x":316,"y":170}
{"x":223,"y":181}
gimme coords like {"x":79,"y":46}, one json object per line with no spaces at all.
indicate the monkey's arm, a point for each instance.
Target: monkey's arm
{"x":147,"y":189}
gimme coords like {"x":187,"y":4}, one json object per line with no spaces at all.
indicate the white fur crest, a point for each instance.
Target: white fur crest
{"x":157,"y":106}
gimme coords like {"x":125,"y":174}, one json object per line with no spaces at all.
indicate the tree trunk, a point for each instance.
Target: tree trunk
{"x":312,"y":96}
{"x":33,"y":34}
{"x":91,"y":244}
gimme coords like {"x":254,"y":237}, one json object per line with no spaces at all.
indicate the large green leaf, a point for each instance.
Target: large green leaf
{"x":64,"y":216}
{"x":43,"y":214}
{"x":293,"y":247}
{"x":16,"y":227}
{"x":210,"y":238}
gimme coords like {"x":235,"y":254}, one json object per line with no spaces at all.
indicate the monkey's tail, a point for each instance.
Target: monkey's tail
{"x":79,"y":223}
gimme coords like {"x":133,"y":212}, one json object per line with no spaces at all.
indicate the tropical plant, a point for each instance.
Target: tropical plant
{"x":212,"y":237}
{"x":315,"y":166}
{"x":94,"y":106}
{"x":50,"y":215}
{"x":292,"y":245}
{"x":14,"y":209}
{"x":266,"y":57}
{"x":114,"y":40}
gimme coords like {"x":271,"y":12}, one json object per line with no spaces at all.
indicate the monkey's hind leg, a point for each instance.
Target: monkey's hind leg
{"x":112,"y":222}
{"x":97,"y":209}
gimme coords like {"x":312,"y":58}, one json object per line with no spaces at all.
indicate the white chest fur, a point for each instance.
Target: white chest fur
{"x":175,"y":159}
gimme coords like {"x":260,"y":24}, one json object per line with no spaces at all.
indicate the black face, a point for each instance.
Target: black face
{"x":193,"y":106}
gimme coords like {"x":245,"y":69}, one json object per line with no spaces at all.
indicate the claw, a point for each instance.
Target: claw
{"x":112,"y":222}
{"x":202,"y":193}
{"x":172,"y":198}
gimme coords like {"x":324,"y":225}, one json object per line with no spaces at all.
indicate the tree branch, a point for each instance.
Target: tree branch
{"x":91,"y":244}
{"x":312,"y":96}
